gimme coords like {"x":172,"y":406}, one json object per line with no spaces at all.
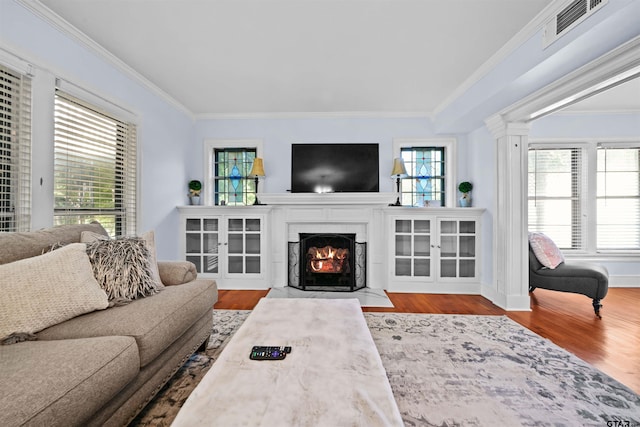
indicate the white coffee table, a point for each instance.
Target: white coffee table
{"x":332,"y":377}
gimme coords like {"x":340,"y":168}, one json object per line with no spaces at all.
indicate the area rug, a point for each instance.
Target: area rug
{"x":454,"y":370}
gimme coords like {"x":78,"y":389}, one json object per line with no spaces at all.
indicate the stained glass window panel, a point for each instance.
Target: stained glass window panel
{"x":424,"y":184}
{"x":232,"y":185}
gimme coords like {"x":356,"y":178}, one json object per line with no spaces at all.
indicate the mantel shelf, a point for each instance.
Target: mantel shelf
{"x":328,"y":198}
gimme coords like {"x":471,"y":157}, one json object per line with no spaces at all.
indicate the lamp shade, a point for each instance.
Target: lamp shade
{"x":398,"y":170}
{"x":258,"y":168}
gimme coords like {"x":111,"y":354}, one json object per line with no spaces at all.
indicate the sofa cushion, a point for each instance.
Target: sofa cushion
{"x":62,"y":383}
{"x":16,"y":246}
{"x":155,"y":322}
{"x":44,"y":290}
{"x":545,"y":250}
{"x":122,"y":268}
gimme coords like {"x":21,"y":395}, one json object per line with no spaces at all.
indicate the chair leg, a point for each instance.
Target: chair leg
{"x":532,"y":288}
{"x":597,"y":305}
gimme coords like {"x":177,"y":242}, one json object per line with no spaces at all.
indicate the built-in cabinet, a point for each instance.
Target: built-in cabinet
{"x":228,"y":245}
{"x":432,"y":252}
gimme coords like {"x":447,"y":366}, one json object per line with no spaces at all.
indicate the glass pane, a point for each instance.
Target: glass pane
{"x":236,"y":224}
{"x":468,"y":227}
{"x":193,"y":244}
{"x":422,"y":267}
{"x":403,"y":245}
{"x":553,"y":218}
{"x":403,"y":267}
{"x":467,"y":268}
{"x":211,"y":264}
{"x":253,"y":264}
{"x":193,"y":225}
{"x":467,"y":246}
{"x":448,"y":227}
{"x":422,"y":245}
{"x":448,"y":246}
{"x":210,"y":224}
{"x":210,"y":243}
{"x":235,"y":264}
{"x":422,"y":226}
{"x":403,"y":226}
{"x":448,"y":268}
{"x":253,"y":225}
{"x":196,"y":261}
{"x":236,"y":244}
{"x":253,"y":243}
{"x":619,"y":224}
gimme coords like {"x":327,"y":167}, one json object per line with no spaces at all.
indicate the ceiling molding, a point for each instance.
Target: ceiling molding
{"x":528,"y":31}
{"x":66,"y":28}
{"x":316,"y":115}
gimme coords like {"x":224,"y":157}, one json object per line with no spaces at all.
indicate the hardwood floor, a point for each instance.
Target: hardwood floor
{"x":611,"y":344}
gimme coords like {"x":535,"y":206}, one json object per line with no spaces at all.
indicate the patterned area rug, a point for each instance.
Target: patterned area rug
{"x":454,"y":370}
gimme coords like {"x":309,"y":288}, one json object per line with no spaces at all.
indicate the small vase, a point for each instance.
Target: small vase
{"x":465,"y":200}
{"x":194,"y":200}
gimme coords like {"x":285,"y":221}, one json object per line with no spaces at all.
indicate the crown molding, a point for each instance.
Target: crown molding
{"x":67,"y":29}
{"x":316,"y":115}
{"x":528,"y":31}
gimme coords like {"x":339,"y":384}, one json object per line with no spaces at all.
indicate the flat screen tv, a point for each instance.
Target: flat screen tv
{"x":334,"y":168}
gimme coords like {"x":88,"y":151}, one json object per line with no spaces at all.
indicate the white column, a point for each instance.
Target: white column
{"x":510,"y":251}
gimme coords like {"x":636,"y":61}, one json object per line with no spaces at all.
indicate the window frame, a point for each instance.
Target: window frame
{"x":589,"y":207}
{"x":209,"y":147}
{"x":450,"y":161}
{"x":131,"y":180}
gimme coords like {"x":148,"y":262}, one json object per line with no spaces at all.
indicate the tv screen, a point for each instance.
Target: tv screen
{"x":334,"y":168}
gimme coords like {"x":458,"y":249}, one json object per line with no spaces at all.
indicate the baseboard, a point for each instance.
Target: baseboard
{"x":624,"y":281}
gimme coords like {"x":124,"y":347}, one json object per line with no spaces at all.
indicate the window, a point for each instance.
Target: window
{"x":618,"y":198}
{"x":227,"y":166}
{"x":586,"y":196}
{"x":15,"y":151}
{"x":424,"y":184}
{"x":555,"y":195}
{"x":94,"y":167}
{"x":232,"y":185}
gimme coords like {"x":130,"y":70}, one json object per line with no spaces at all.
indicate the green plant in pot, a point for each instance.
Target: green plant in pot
{"x":195,"y":187}
{"x":465,"y":188}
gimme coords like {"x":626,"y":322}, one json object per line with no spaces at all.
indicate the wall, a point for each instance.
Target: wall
{"x":165,"y":131}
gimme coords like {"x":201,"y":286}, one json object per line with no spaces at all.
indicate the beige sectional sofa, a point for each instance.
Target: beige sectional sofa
{"x":104,"y":366}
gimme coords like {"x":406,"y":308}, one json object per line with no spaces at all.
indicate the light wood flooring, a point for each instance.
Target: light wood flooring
{"x":611,"y":344}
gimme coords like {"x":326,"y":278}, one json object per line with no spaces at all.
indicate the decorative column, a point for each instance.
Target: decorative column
{"x":510,"y":251}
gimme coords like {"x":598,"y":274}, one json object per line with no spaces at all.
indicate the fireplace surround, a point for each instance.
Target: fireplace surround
{"x":327,"y":261}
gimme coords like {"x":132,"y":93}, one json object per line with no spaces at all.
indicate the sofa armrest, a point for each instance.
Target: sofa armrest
{"x":176,"y":272}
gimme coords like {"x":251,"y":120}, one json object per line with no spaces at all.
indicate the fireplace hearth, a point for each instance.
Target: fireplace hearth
{"x":328,"y":262}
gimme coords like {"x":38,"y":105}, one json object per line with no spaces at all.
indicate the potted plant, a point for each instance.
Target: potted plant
{"x":195,"y":187}
{"x":465,"y":188}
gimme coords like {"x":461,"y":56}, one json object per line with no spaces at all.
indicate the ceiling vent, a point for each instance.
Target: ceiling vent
{"x":571,"y":15}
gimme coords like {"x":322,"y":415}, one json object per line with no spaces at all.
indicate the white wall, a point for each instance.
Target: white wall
{"x":165,"y":131}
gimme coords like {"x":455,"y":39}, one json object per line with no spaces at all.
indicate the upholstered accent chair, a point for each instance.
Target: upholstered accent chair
{"x":589,"y":279}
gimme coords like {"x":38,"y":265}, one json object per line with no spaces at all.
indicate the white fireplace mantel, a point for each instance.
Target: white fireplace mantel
{"x":382,"y":199}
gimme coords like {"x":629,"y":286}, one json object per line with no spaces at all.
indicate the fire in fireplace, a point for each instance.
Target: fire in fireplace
{"x":322,"y":261}
{"x":328,"y":260}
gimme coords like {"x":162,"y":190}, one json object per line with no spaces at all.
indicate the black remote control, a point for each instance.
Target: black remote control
{"x":269,"y":352}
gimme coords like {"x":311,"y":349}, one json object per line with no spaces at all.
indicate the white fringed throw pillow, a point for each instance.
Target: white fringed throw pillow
{"x":545,"y":250}
{"x":122,"y":268}
{"x":45,"y":290}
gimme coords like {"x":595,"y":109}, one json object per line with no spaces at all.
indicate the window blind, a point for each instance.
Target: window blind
{"x":556,"y":182}
{"x":618,"y":198}
{"x":94,"y":167}
{"x":15,"y":151}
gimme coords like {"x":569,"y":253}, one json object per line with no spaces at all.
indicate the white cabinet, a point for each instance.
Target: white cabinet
{"x":227,"y":244}
{"x":434,"y":252}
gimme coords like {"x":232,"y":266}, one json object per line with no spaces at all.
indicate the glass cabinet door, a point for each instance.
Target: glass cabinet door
{"x":412,"y":247}
{"x":202,"y":243}
{"x":244,"y":245}
{"x":457,"y":248}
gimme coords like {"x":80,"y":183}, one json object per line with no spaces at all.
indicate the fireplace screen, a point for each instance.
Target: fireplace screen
{"x":334,"y":262}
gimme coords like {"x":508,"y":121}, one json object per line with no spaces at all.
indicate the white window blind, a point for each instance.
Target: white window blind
{"x":618,"y":198}
{"x":94,"y":167}
{"x":556,"y":188}
{"x":15,"y":151}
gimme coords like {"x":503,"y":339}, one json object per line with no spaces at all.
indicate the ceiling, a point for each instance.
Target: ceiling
{"x":244,"y":57}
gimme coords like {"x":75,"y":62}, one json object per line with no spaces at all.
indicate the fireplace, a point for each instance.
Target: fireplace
{"x":327,"y":261}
